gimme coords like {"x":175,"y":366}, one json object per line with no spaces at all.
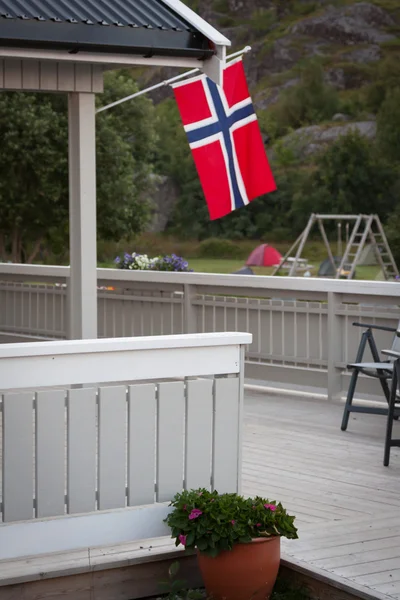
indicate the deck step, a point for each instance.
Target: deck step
{"x":134,"y":571}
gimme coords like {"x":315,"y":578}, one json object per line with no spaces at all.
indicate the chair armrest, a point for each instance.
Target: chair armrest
{"x":391,"y":353}
{"x":380,"y":327}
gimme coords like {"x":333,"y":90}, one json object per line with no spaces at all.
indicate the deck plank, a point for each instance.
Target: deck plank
{"x":347,"y":504}
{"x":376,"y":579}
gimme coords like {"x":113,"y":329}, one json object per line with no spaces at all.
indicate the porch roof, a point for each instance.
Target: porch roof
{"x":146,"y":27}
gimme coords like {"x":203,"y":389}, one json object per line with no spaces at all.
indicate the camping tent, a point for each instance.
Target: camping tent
{"x":368,"y":256}
{"x":244,"y":271}
{"x":264,"y":256}
{"x":326,"y":268}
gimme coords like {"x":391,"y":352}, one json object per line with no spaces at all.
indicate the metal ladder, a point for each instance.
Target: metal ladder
{"x":382,"y":250}
{"x":363,"y":230}
{"x":355,"y":246}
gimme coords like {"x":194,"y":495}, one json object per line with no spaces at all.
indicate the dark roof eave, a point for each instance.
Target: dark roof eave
{"x":103,"y":39}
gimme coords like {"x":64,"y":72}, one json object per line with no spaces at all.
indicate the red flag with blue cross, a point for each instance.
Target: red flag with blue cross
{"x":225,"y":139}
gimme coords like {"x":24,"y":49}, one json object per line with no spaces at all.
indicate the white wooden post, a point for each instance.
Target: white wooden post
{"x":82,"y":206}
{"x":335,"y":346}
{"x":190,"y":321}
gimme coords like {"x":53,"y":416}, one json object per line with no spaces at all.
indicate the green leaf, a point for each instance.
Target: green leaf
{"x":202,"y":544}
{"x":174,"y":569}
{"x":190,"y":538}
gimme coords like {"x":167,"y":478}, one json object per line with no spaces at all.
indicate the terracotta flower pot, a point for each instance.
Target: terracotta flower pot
{"x":247,"y":572}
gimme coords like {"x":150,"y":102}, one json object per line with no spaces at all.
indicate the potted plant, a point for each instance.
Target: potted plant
{"x":237,"y":540}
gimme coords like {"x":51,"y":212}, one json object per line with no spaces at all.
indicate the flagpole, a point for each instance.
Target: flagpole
{"x":166,"y":82}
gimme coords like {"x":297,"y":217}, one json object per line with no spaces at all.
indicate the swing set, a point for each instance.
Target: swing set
{"x":363,"y":233}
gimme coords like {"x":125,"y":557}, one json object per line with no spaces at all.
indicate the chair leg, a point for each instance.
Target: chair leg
{"x":386,"y":391}
{"x":385,"y":388}
{"x":349,"y":399}
{"x":390,"y":419}
{"x":376,"y":357}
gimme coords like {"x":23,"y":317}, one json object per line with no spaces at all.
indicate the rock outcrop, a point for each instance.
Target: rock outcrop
{"x":358,"y":23}
{"x":164,"y":198}
{"x":309,"y":140}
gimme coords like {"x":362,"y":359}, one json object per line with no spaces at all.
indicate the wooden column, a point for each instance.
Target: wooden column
{"x":82,"y":206}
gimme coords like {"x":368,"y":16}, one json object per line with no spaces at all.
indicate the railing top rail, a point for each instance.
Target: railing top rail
{"x":39,"y":271}
{"x":101,"y":346}
{"x":51,"y":364}
{"x":268,"y":283}
{"x":220,"y":281}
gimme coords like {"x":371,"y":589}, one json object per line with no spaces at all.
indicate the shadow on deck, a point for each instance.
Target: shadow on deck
{"x":346,"y":502}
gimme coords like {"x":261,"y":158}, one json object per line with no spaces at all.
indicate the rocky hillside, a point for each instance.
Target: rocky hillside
{"x":348,"y":39}
{"x":317,"y":71}
{"x":344,"y":35}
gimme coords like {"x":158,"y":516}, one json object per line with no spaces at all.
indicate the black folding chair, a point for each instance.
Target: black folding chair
{"x":379,"y":369}
{"x":394,"y":406}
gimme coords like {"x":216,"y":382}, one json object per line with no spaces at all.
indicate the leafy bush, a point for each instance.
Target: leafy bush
{"x":386,"y":78}
{"x":262,"y":20}
{"x":389,"y":126}
{"x":280,"y":234}
{"x":311,"y":101}
{"x":392,"y":230}
{"x":350,"y":177}
{"x":304,"y":8}
{"x":219,"y":248}
{"x":213,"y":522}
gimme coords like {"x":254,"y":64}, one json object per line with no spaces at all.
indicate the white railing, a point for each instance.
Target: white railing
{"x":302,"y":327}
{"x":102,"y":425}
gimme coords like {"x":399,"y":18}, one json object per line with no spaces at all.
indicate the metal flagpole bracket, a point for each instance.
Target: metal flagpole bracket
{"x":166,"y":82}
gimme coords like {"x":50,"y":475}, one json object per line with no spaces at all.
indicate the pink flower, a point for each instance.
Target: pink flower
{"x":233,"y":522}
{"x":258,"y":525}
{"x":182,"y":539}
{"x":270,"y":506}
{"x":196,"y":512}
{"x":184,"y":507}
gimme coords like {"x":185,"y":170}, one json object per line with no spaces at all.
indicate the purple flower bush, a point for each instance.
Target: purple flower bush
{"x":141,"y":262}
{"x":213,"y":522}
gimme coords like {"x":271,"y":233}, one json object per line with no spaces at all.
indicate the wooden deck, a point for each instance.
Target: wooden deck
{"x":347,"y":506}
{"x":346,"y":502}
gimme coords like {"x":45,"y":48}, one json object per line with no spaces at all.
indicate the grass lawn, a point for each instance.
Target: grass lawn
{"x":221,"y":265}
{"x":210,"y":265}
{"x":155,"y":245}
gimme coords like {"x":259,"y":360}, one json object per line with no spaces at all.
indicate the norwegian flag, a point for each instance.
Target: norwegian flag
{"x":225,"y":140}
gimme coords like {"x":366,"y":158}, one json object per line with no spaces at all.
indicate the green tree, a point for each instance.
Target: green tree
{"x":310,"y":101}
{"x":350,"y":177}
{"x":33,"y":172}
{"x":126,"y":144}
{"x":386,"y":77}
{"x":392,"y":230}
{"x":34,"y":168}
{"x":389,"y":126}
